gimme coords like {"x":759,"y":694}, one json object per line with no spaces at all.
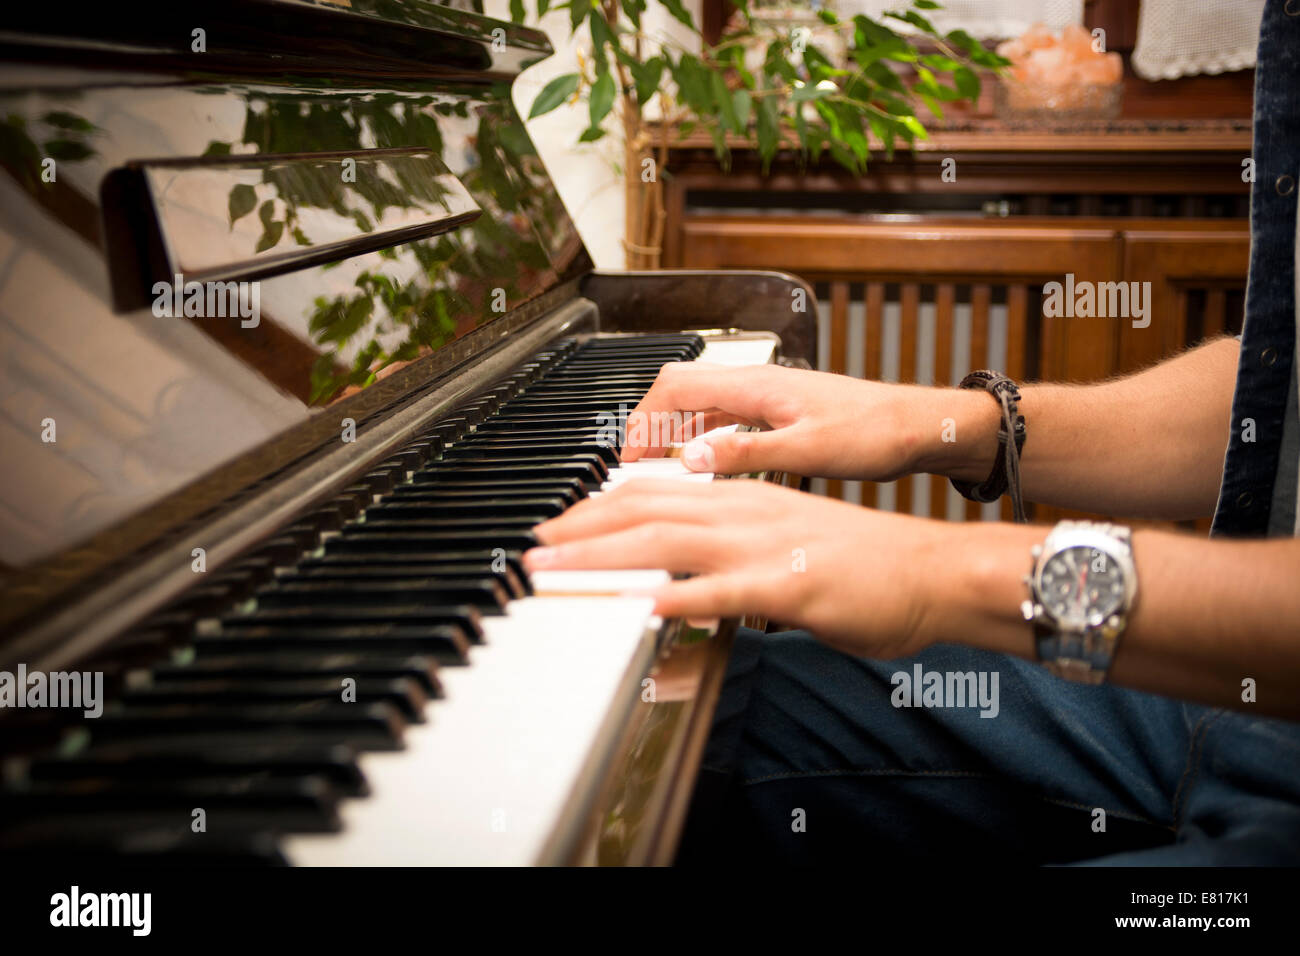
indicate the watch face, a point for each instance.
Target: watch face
{"x":1081,"y":585}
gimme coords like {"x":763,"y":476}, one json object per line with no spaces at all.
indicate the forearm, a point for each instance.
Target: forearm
{"x":1149,"y":445}
{"x":1209,"y":614}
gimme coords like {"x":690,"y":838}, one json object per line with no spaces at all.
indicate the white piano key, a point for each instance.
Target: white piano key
{"x":738,"y":351}
{"x":486,"y":779}
{"x":548,"y":583}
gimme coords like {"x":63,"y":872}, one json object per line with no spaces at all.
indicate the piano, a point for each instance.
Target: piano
{"x":298,"y":344}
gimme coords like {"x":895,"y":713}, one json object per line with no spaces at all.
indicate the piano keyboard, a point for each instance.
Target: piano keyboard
{"x":480,"y":700}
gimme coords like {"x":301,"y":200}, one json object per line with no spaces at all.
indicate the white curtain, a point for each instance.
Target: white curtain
{"x":1181,"y":37}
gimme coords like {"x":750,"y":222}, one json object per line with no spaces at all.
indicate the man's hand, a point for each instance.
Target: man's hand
{"x":814,"y":423}
{"x":1209,"y":615}
{"x":854,"y":577}
{"x":1150,"y":445}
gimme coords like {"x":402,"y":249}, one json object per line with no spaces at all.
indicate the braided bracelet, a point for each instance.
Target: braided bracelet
{"x":1005,"y":476}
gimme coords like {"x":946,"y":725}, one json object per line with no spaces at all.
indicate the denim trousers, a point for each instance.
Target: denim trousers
{"x":811,"y":762}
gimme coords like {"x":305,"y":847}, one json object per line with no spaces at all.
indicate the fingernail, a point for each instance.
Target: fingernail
{"x":539,"y":557}
{"x":698,"y":455}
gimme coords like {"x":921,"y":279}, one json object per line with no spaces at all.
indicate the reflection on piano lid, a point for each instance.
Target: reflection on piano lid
{"x":230,"y":515}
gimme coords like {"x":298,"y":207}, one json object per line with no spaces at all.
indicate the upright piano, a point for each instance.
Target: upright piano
{"x":297,"y":344}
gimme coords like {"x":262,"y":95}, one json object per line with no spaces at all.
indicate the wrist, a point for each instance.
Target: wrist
{"x":975,"y":597}
{"x":953,"y":432}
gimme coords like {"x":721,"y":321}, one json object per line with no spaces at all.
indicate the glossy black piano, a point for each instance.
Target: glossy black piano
{"x":298,"y":343}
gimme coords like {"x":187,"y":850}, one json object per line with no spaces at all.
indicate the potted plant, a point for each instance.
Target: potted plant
{"x":771,"y":81}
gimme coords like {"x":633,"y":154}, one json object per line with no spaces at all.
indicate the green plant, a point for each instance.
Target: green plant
{"x":798,"y":97}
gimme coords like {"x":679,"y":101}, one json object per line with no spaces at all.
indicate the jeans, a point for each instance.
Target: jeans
{"x":809,"y":762}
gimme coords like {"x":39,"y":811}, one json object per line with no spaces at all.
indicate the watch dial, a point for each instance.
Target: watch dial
{"x":1081,"y":585}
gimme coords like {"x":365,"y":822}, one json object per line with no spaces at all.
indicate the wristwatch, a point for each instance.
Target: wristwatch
{"x":1081,"y":593}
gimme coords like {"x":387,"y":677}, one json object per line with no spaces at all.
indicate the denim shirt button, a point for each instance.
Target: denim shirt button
{"x":1245,"y":499}
{"x":1292,"y":8}
{"x":1285,"y":184}
{"x":1268,"y":357}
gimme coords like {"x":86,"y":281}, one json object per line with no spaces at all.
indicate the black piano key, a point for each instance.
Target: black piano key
{"x":462,"y":616}
{"x":406,"y":460}
{"x":113,"y":839}
{"x":541,"y":436}
{"x":589,"y":470}
{"x":364,"y":726}
{"x":380,"y":481}
{"x":279,"y":551}
{"x":362,"y":494}
{"x":434,"y":486}
{"x":401,"y":524}
{"x":428,"y":448}
{"x":350,"y":504}
{"x":518,"y":451}
{"x":363,"y":542}
{"x":422,"y":669}
{"x":451,"y":507}
{"x":170,"y":758}
{"x":345,"y":567}
{"x":486,"y":594}
{"x":447,"y":645}
{"x":406,"y":696}
{"x":470,"y":414}
{"x":205,"y":599}
{"x":513,"y":424}
{"x":304,"y":804}
{"x":509,"y":562}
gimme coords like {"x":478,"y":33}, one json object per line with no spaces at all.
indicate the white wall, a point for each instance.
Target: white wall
{"x":586,"y":174}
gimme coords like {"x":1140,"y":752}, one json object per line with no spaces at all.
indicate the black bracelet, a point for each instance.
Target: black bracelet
{"x":1005,"y":476}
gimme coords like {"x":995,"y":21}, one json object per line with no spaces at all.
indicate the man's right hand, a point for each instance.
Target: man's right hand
{"x":814,"y":424}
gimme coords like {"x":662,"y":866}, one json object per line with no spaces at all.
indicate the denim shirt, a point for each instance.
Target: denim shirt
{"x":1258,"y":493}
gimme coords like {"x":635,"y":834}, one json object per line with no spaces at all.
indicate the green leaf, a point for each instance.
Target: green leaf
{"x":828,"y":17}
{"x":68,"y":149}
{"x":517,"y":11}
{"x":591,"y":134}
{"x":937,"y":61}
{"x":217,"y":149}
{"x":914,"y":18}
{"x":600,"y":38}
{"x":602,"y":97}
{"x":270,"y":236}
{"x":884,"y":77}
{"x":554,"y":93}
{"x":634,"y":9}
{"x":578,"y":10}
{"x":926,"y":5}
{"x":722,"y":96}
{"x":243,"y":200}
{"x":694,"y":84}
{"x":768,"y":129}
{"x":679,"y":12}
{"x":266,"y":213}
{"x":912,"y":124}
{"x":542,"y":7}
{"x":967,"y":82}
{"x":742,"y":103}
{"x":647,"y":76}
{"x":69,"y":121}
